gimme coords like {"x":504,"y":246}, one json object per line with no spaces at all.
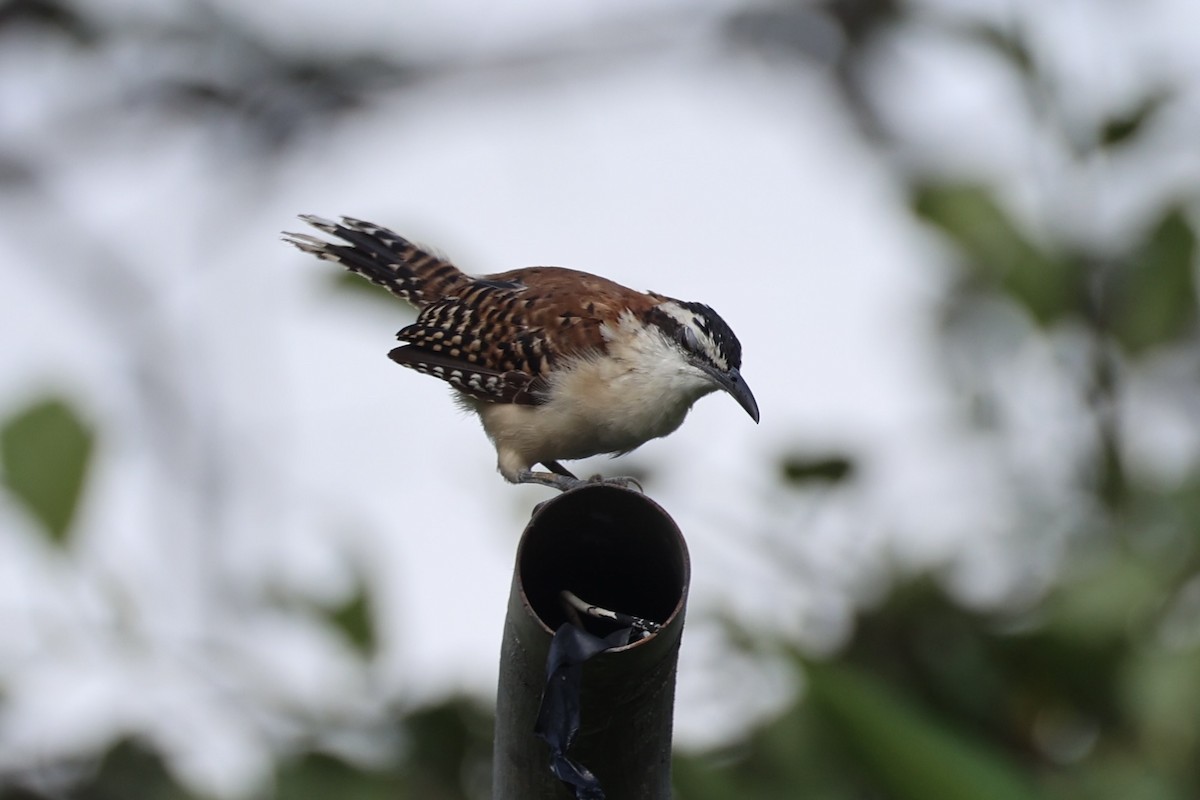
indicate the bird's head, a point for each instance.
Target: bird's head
{"x":707,"y":345}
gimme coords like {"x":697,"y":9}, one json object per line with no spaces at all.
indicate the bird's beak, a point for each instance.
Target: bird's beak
{"x":732,"y":382}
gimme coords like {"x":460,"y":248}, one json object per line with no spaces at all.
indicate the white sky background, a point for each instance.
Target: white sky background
{"x":706,"y":175}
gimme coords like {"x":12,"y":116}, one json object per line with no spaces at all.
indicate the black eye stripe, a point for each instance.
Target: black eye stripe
{"x":707,"y":323}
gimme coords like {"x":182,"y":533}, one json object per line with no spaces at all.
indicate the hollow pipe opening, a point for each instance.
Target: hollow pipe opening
{"x":611,"y":546}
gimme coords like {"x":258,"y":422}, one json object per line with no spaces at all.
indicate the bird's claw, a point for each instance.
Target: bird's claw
{"x":566,"y":483}
{"x":624,"y":481}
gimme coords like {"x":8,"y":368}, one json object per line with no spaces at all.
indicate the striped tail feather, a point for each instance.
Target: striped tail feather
{"x":383,"y":257}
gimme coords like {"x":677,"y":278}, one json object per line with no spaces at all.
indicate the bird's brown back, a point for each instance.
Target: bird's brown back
{"x":502,"y":335}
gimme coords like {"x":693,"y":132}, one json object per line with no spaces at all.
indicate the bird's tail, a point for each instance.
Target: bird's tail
{"x":405,"y":269}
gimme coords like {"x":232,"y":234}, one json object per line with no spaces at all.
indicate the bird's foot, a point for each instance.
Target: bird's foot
{"x":565,"y":483}
{"x":624,"y":481}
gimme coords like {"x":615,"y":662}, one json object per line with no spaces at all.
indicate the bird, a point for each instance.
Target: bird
{"x":559,"y":364}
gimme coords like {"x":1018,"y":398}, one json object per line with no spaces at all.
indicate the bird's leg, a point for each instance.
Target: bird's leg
{"x":564,"y":483}
{"x":558,"y":469}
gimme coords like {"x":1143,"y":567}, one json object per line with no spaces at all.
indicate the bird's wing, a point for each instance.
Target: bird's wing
{"x":483,"y":349}
{"x":502,"y":338}
{"x":512,"y":386}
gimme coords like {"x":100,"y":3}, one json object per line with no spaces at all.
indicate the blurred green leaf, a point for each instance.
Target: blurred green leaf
{"x":909,"y":753}
{"x":344,"y":281}
{"x":1120,"y":129}
{"x":355,"y":620}
{"x":788,"y":757}
{"x":129,"y":769}
{"x":1105,"y":603}
{"x":61,"y":18}
{"x":46,"y":449}
{"x":1116,"y":775}
{"x":798,"y":468}
{"x":923,"y":641}
{"x":1049,"y":288}
{"x":1155,"y":294}
{"x":451,"y":748}
{"x":1006,"y":43}
{"x":351,"y":284}
{"x":1161,"y":693}
{"x":859,"y":19}
{"x":317,"y":776}
{"x":20,"y":793}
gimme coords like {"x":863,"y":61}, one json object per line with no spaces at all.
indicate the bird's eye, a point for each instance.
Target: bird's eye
{"x":688,"y":338}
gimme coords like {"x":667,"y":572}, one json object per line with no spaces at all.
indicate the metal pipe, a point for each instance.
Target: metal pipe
{"x":618,"y":549}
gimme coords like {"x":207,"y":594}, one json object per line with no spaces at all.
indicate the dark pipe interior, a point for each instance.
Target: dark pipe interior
{"x":613,"y":547}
